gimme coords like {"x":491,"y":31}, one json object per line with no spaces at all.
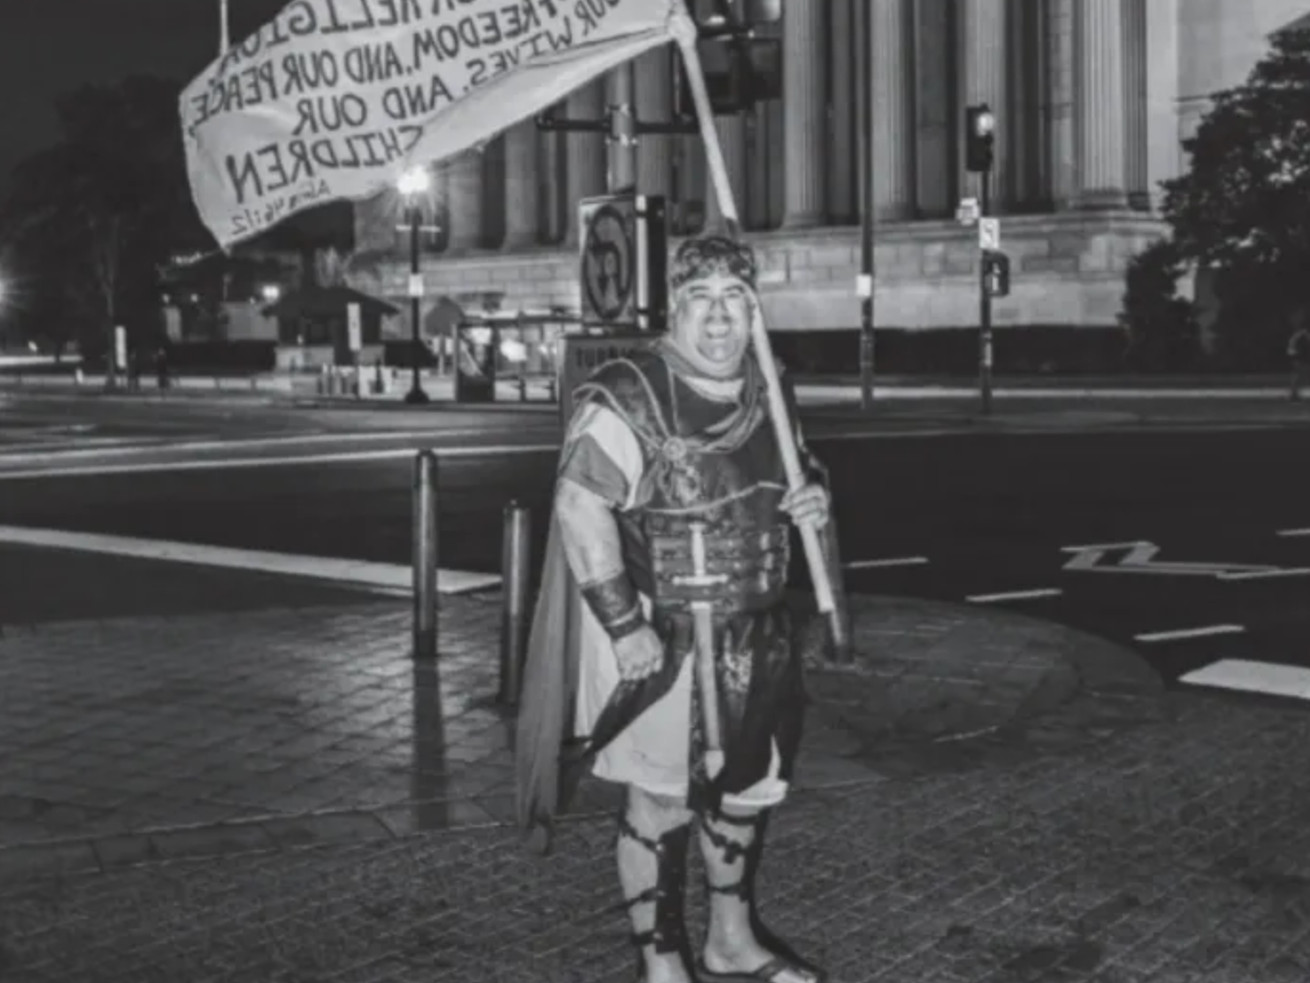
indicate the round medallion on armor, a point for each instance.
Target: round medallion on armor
{"x":674,"y":450}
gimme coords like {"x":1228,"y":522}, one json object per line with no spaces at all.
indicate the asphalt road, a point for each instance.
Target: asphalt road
{"x":988,"y":518}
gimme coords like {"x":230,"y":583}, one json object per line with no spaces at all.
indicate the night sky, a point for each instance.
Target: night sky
{"x":49,"y":46}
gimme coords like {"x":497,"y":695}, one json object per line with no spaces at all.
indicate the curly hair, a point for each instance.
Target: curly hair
{"x":706,"y":255}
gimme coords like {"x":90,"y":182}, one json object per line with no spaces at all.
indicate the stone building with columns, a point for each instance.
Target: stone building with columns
{"x":1092,"y":99}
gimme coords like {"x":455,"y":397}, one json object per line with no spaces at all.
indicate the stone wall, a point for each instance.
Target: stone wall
{"x":1066,"y":269}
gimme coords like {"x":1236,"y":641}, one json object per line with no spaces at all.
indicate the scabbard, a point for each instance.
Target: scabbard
{"x":703,"y":626}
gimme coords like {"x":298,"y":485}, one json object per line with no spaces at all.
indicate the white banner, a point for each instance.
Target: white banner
{"x":336,"y":98}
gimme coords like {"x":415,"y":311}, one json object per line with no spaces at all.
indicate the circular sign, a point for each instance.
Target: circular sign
{"x":608,"y":262}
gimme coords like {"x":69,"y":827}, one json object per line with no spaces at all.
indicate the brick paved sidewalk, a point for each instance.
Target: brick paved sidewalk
{"x":283,"y":795}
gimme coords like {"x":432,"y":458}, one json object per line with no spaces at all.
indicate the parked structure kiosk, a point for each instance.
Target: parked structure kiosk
{"x":624,"y":285}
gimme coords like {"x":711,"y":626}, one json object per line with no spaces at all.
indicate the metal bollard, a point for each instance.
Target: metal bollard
{"x":514,"y":614}
{"x":425,"y":555}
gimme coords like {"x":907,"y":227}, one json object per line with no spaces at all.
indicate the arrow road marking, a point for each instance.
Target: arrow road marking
{"x":1171,"y":636}
{"x":1138,"y":556}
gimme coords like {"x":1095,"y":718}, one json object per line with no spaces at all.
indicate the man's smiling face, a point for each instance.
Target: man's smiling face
{"x":711,"y":323}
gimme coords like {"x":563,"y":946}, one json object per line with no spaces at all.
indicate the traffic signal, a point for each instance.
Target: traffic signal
{"x":762,"y":12}
{"x":979,"y":136}
{"x":996,"y":273}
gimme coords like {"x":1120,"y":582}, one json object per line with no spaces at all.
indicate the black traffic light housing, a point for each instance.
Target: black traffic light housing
{"x":740,"y":68}
{"x":996,"y":273}
{"x":979,"y":138}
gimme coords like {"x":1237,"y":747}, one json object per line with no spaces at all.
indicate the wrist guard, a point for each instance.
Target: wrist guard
{"x":616,"y":605}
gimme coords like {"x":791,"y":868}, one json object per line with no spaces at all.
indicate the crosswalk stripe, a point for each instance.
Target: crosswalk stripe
{"x":1253,"y":677}
{"x":1014,"y":595}
{"x":392,"y":578}
{"x":1203,"y":632}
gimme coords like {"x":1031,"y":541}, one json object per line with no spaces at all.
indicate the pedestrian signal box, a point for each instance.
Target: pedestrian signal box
{"x":996,"y":273}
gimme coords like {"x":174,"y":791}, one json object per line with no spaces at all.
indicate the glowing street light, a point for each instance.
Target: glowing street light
{"x":411,"y":184}
{"x":414,"y":181}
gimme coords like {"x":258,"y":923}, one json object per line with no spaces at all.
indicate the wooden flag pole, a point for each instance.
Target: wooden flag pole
{"x":823,"y":592}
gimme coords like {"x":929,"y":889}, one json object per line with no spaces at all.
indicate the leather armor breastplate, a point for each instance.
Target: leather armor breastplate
{"x":710,"y":466}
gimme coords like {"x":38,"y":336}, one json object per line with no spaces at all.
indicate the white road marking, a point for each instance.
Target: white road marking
{"x":1016,"y":595}
{"x":1253,"y":677}
{"x":124,"y":446}
{"x":1208,"y":630}
{"x":218,"y":464}
{"x":896,"y":561}
{"x":1294,"y":532}
{"x":1265,"y":574}
{"x":388,"y":577}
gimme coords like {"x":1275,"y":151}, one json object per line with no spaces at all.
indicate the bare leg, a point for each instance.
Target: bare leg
{"x":652,"y":855}
{"x":737,"y":942}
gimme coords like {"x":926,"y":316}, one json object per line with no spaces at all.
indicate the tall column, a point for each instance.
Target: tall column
{"x":983,"y":37}
{"x":551,"y":188}
{"x":803,"y":102}
{"x":1163,"y":146}
{"x":892,"y":23}
{"x":732,"y":138}
{"x":520,"y":186}
{"x":1098,"y":42}
{"x":1061,"y":87}
{"x":655,"y":104}
{"x":936,"y":121}
{"x":584,"y":154}
{"x":1025,"y":107}
{"x":1135,"y":117}
{"x":493,"y":193}
{"x":842,"y":144}
{"x":464,"y":197}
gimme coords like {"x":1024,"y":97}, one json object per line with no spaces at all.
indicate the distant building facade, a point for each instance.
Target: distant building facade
{"x":1092,"y":98}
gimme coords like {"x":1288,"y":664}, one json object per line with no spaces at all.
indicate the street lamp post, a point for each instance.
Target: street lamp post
{"x":413,"y":183}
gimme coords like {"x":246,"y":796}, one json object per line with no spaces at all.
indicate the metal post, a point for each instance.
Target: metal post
{"x":425,"y":555}
{"x":621,"y":168}
{"x":865,"y":73}
{"x":416,"y":393}
{"x":514,"y":616}
{"x":984,"y":305}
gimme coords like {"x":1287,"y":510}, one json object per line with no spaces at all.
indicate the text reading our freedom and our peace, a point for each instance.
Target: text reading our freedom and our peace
{"x":360,"y":105}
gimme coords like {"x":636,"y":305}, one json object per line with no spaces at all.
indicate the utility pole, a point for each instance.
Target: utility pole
{"x":979,"y":140}
{"x":864,"y":284}
{"x":224,"y":32}
{"x":621,"y":164}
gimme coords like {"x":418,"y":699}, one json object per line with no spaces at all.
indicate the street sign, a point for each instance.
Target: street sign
{"x":1139,"y":557}
{"x":354,"y":328}
{"x":120,"y":348}
{"x":989,"y":233}
{"x":864,"y":285}
{"x":609,"y":260}
{"x":967,"y":211}
{"x":416,"y":284}
{"x":623,"y":253}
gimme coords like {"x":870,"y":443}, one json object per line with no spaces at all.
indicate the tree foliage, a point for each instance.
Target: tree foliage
{"x":1243,"y":206}
{"x":90,"y":218}
{"x":1162,"y":331}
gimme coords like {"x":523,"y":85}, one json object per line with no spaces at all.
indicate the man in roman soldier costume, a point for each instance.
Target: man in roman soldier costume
{"x":662,"y":653}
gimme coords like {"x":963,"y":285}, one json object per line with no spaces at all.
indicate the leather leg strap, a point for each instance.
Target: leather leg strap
{"x":734,"y":850}
{"x":667,"y":894}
